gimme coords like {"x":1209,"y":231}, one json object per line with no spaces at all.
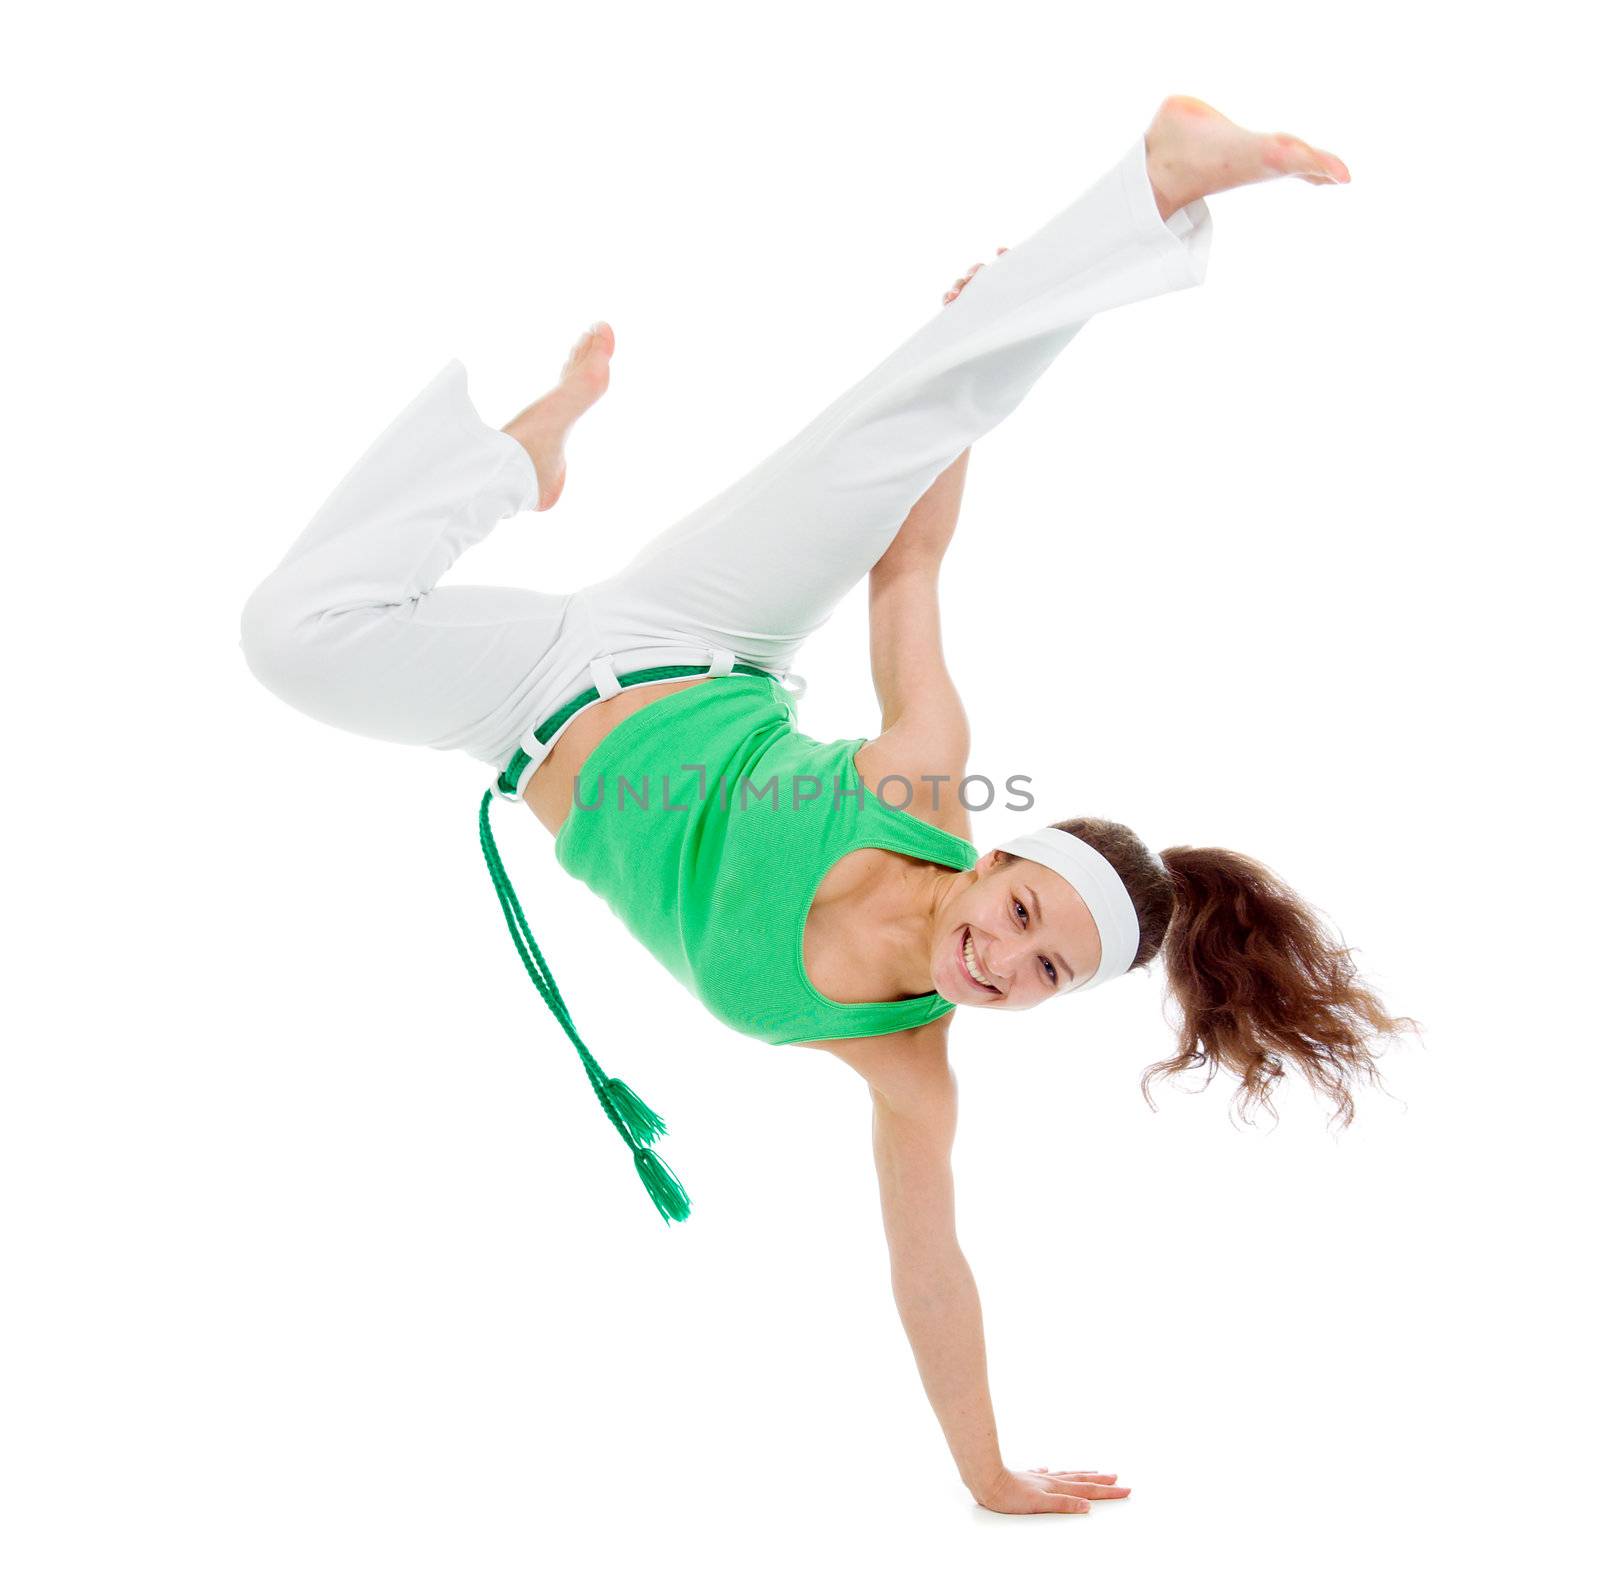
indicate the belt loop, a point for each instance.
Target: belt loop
{"x":535,"y":749}
{"x":721,"y":660}
{"x":603,"y":671}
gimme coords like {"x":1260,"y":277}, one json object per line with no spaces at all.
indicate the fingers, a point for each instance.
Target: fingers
{"x":1077,"y":1498}
{"x":962,"y":283}
{"x":1080,"y":1488}
{"x":967,"y":278}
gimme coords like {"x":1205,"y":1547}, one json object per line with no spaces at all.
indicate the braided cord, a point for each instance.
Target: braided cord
{"x":635,"y":1121}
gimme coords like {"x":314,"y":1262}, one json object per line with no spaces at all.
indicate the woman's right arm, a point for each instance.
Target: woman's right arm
{"x":913,"y":1134}
{"x":934,"y":1289}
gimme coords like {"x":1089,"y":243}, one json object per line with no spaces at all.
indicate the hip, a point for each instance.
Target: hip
{"x":548,"y":793}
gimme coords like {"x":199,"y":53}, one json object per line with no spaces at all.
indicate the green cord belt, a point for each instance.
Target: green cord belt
{"x":506,"y":783}
{"x":638,"y":1125}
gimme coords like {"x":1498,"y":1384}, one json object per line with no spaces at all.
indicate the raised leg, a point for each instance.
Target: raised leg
{"x":763,"y":565}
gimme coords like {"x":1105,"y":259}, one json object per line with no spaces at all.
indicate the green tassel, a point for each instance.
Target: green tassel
{"x":661,"y":1183}
{"x":629,"y":1115}
{"x":641,"y":1123}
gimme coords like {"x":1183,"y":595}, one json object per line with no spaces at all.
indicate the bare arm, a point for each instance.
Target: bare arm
{"x":909,"y":1074}
{"x":913,"y":1134}
{"x":923,"y":717}
{"x":922,"y":714}
{"x":934,"y":1289}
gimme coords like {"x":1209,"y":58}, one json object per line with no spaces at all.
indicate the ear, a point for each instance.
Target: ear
{"x":987,"y":862}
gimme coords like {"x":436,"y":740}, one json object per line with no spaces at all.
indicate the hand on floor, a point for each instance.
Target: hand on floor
{"x":1045,"y":1490}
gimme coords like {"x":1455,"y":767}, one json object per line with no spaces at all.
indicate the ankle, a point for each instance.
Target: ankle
{"x":525,"y":427}
{"x":1167,"y":184}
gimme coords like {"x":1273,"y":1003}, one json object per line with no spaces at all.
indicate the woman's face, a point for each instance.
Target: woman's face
{"x":1024,"y":929}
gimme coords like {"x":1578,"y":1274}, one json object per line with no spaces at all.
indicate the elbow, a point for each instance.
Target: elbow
{"x":927,"y":1280}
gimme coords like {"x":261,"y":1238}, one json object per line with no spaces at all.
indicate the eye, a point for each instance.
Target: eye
{"x":1022,"y":909}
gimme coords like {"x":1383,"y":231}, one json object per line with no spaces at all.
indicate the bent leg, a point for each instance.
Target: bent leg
{"x":763,"y":565}
{"x":350,"y":627}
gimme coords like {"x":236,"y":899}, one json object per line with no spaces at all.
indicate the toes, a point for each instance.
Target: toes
{"x":1293,"y":156}
{"x":596,"y":334}
{"x":591,"y":355}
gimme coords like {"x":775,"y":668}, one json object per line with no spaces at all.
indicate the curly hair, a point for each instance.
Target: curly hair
{"x":1261,"y":982}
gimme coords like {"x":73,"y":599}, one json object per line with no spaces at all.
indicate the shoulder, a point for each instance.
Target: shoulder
{"x":920,"y":774}
{"x":908,"y":1070}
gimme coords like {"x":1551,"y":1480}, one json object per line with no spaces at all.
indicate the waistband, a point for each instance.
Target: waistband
{"x":608,"y":682}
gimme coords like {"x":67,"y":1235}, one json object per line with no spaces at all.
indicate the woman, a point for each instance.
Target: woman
{"x":645,"y":721}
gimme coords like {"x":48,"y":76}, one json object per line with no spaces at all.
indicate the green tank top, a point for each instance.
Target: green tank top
{"x":707,"y":821}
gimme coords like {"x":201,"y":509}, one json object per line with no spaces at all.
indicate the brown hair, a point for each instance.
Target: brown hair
{"x":1259,"y":978}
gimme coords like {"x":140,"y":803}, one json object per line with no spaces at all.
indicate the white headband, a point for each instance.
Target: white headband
{"x":1096,"y":881}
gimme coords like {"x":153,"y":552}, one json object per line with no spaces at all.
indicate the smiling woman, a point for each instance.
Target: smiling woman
{"x":769,"y":877}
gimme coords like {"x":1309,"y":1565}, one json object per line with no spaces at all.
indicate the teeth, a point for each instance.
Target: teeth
{"x":972,"y":964}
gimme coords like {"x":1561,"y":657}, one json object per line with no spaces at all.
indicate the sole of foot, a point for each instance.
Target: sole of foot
{"x":1193,"y":151}
{"x":543,"y":427}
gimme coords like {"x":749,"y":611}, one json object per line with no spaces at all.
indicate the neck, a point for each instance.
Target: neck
{"x":908,"y":921}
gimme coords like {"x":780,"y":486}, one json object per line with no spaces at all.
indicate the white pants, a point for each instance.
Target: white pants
{"x":352,"y":629}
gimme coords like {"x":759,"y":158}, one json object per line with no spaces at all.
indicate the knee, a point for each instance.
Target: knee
{"x":274,"y":637}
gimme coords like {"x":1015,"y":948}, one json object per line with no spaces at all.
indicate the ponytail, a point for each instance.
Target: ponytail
{"x":1262,"y":984}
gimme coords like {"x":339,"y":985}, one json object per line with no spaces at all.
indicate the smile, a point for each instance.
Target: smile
{"x":969,"y":962}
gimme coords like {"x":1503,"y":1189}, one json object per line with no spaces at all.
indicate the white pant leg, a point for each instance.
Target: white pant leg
{"x":761,"y":566}
{"x":351,"y":629}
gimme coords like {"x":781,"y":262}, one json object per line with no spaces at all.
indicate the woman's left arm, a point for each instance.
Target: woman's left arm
{"x":923,"y":718}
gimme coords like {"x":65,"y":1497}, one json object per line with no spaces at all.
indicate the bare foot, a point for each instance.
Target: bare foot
{"x":542,"y":429}
{"x":1192,"y":150}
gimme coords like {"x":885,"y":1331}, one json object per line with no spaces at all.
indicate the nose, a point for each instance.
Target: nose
{"x":1004,"y":958}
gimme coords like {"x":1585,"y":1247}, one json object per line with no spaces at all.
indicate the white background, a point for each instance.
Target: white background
{"x":320,"y":1256}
